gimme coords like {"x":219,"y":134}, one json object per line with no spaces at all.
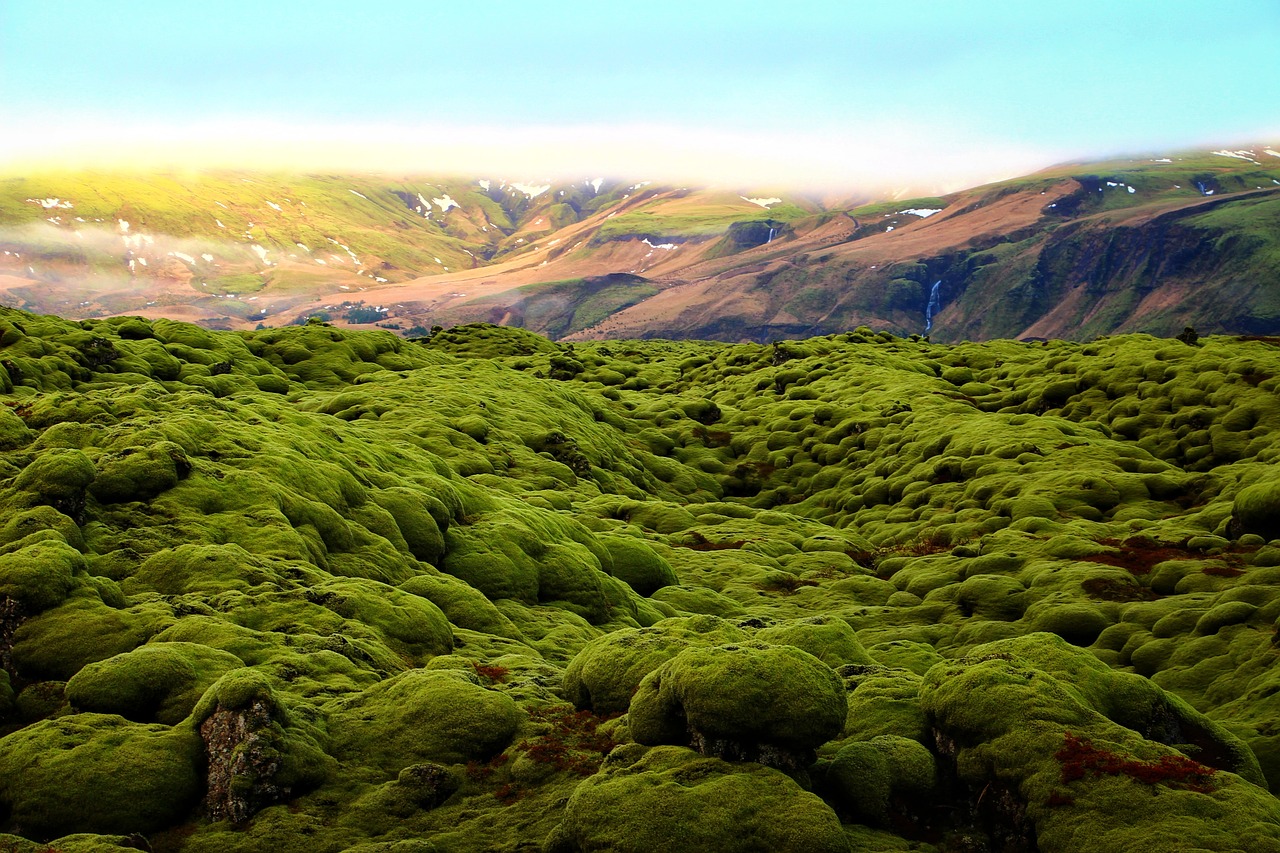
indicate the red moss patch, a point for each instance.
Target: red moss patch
{"x":1138,"y":554}
{"x":1110,"y":589}
{"x":1223,"y":571}
{"x":571,"y":742}
{"x":492,"y":673}
{"x":1080,"y":758}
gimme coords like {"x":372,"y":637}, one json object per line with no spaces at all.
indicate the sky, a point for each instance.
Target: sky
{"x":939,"y":93}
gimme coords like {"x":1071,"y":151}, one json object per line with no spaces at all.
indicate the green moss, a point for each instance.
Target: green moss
{"x":696,"y":599}
{"x":419,"y":716}
{"x":41,"y":575}
{"x":672,"y":799}
{"x":829,"y":639}
{"x":866,"y":777}
{"x":463,"y":605}
{"x":98,"y":773}
{"x":13,"y":431}
{"x":608,"y":671}
{"x":638,"y":566}
{"x":58,"y":478}
{"x":750,"y":693}
{"x":158,"y":682}
{"x":139,"y":473}
{"x":416,"y":517}
{"x":6,"y":694}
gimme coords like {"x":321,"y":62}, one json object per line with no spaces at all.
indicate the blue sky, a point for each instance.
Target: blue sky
{"x":755,"y":92}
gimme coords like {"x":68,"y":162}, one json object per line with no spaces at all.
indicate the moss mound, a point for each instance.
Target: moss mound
{"x":310,"y":588}
{"x":97,"y":773}
{"x":670,"y":798}
{"x":748,"y":700}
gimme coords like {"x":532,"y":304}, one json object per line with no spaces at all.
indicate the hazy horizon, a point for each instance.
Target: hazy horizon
{"x":817,"y":96}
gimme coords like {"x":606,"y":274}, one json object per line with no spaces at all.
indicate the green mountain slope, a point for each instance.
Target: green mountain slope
{"x":328,"y":590}
{"x":1147,"y":245}
{"x":1135,"y":245}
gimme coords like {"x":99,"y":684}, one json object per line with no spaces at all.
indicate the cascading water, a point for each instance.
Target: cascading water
{"x":934,"y":306}
{"x":772,"y":231}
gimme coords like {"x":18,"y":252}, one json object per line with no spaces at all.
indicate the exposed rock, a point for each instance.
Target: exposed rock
{"x":243,"y":760}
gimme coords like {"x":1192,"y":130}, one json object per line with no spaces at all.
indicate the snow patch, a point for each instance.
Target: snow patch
{"x":531,"y":190}
{"x":303,"y":247}
{"x":207,"y":257}
{"x":1271,"y":151}
{"x":1238,"y":155}
{"x":124,"y":226}
{"x":184,"y":258}
{"x":484,"y":185}
{"x":922,"y":212}
{"x":1131,"y":190}
{"x":220,"y":225}
{"x":274,"y":206}
{"x":887,"y":230}
{"x":445,"y":203}
{"x":595,"y":185}
{"x":763,"y":202}
{"x":362,"y":195}
{"x":260,"y":252}
{"x":1162,"y":160}
{"x":319,"y":261}
{"x":52,"y":203}
{"x":667,"y":247}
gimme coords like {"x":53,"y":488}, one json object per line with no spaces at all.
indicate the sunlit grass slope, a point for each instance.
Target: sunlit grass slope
{"x":312,"y":589}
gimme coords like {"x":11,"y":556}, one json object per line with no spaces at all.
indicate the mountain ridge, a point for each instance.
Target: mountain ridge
{"x":1150,"y":244}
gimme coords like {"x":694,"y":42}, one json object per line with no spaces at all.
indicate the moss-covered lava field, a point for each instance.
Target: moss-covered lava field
{"x":308,"y":589}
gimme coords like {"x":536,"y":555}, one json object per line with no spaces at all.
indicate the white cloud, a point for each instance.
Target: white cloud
{"x":874,"y":156}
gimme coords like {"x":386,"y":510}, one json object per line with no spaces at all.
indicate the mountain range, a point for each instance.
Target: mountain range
{"x":1149,"y":244}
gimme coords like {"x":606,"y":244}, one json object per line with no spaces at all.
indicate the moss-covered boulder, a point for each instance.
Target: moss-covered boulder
{"x":828,"y":638}
{"x":638,"y":566}
{"x":423,"y":716}
{"x":41,"y":575}
{"x":669,"y":798}
{"x":58,"y":478}
{"x":462,"y":604}
{"x":752,"y":701}
{"x":419,"y":517}
{"x":13,"y":431}
{"x":882,"y":779}
{"x":1256,"y":509}
{"x":57,"y":643}
{"x":1078,"y":756}
{"x":139,"y":473}
{"x":606,"y":673}
{"x":97,"y":773}
{"x":158,"y":682}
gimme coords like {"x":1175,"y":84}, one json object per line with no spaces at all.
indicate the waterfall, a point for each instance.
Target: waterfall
{"x":934,"y":306}
{"x":772,"y":231}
